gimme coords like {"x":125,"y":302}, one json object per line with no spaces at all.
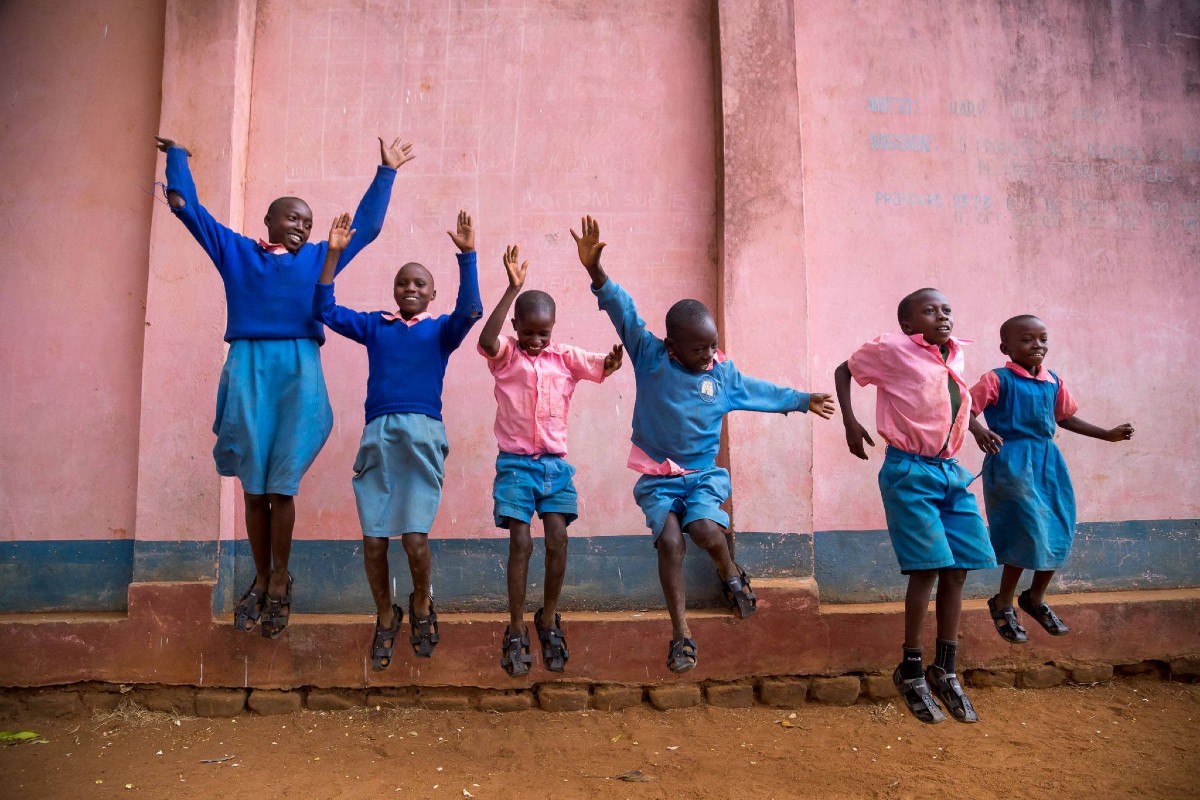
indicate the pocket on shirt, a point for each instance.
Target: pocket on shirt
{"x":560,"y":395}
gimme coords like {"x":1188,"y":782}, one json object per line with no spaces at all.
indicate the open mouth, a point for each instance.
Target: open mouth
{"x":295,"y":238}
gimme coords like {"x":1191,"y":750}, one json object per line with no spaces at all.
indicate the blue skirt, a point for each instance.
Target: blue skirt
{"x":398,"y":474}
{"x":273,"y":413}
{"x":1030,"y":504}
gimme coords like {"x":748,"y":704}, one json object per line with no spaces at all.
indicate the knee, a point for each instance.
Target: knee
{"x":556,"y":534}
{"x":375,"y":547}
{"x":671,"y":546}
{"x":706,"y":533}
{"x":416,"y":546}
{"x":953,"y":577}
{"x":257,"y":502}
{"x":520,"y":542}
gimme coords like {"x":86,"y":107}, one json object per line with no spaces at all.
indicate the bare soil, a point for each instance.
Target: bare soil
{"x":1117,"y":740}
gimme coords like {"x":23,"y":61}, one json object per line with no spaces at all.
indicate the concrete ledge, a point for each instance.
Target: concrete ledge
{"x":170,"y":637}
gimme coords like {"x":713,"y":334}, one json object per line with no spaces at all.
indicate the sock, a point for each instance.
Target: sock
{"x":910,"y":667}
{"x":945,"y":654}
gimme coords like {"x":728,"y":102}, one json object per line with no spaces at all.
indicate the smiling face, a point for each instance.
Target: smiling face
{"x":413,"y":290}
{"x":289,"y":223}
{"x":534,"y":327}
{"x":693,"y":343}
{"x":1025,"y":341}
{"x":927,"y":312}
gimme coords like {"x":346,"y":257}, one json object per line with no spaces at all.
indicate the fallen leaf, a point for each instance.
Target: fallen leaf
{"x":217,"y":760}
{"x":785,"y":723}
{"x":636,"y":776}
{"x":21,"y":737}
{"x":617,"y":738}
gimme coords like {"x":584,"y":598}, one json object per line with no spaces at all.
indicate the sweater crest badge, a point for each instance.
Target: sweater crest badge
{"x":707,"y":389}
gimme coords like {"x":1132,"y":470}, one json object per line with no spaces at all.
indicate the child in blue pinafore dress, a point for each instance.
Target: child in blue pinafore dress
{"x":1026,"y":487}
{"x":273,"y":413}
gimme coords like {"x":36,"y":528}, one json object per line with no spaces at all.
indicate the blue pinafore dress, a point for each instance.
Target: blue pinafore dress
{"x":1026,"y":487}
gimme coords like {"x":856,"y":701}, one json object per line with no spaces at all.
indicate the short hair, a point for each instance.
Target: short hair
{"x":278,"y":201}
{"x":909,"y":300}
{"x":1009,"y":323}
{"x":413,"y":264}
{"x":534,"y":301}
{"x":686,"y":314}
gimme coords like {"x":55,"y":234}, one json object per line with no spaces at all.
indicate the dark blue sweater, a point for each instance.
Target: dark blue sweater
{"x":407,"y":364}
{"x":269,"y":296}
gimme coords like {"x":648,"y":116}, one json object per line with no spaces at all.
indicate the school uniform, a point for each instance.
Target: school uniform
{"x":1027,"y":489}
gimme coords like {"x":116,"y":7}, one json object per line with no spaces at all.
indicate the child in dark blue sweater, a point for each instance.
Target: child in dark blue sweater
{"x":401,"y":458}
{"x":273,"y":413}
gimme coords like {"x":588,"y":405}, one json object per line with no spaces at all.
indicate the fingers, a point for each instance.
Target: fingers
{"x":464,"y":220}
{"x":574,"y":236}
{"x":870,"y":441}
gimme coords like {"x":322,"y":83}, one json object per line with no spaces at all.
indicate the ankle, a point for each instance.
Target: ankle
{"x":911,"y":665}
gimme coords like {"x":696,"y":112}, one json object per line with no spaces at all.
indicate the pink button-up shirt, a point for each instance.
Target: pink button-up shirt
{"x":987,"y":391}
{"x":533,"y":394}
{"x":912,"y":406}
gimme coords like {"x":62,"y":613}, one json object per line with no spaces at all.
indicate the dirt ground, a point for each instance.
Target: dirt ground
{"x":1117,"y":740}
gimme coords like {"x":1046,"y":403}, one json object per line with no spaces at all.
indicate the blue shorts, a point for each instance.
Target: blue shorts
{"x":525,"y":484}
{"x":273,"y":413}
{"x":398,"y":474}
{"x":932,"y":518}
{"x":693,"y":496}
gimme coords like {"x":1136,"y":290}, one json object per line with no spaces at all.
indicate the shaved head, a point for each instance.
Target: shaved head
{"x":905,"y":307}
{"x":687,"y":315}
{"x":534,"y":303}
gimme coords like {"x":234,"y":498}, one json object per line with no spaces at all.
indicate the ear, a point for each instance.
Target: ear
{"x":670,"y":347}
{"x":267,"y":220}
{"x":433,"y":296}
{"x":1004,"y":349}
{"x":908,"y":329}
{"x":514,"y":323}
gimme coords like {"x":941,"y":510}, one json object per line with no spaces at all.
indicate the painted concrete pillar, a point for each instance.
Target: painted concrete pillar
{"x":183,"y":506}
{"x":763,"y":293}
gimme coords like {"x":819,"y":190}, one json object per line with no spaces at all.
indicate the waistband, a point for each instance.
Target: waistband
{"x":897,"y":453}
{"x":538,"y":457}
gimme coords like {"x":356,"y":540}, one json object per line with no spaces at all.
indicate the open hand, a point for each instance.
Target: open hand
{"x":821,"y":404}
{"x":1120,"y":433}
{"x":164,"y":144}
{"x":396,"y":154}
{"x":613,"y":361}
{"x":516,"y":272}
{"x":589,"y":243}
{"x":988,"y":441}
{"x":464,"y":237}
{"x":340,"y":232}
{"x":856,"y":434}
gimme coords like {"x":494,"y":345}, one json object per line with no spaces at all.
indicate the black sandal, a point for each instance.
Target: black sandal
{"x":554,"y":643}
{"x":1043,"y":614}
{"x":916,"y":695}
{"x":947,"y":688}
{"x":1005,"y":620}
{"x":381,"y":653}
{"x":248,"y":610}
{"x":514,"y":653}
{"x":739,"y":595}
{"x":274,"y":620}
{"x":423,"y":633}
{"x":681,"y":655}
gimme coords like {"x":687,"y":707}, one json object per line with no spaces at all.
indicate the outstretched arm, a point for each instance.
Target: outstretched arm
{"x":988,"y":441}
{"x":349,"y":323}
{"x":489,"y":337}
{"x":174,"y":198}
{"x":856,"y":434}
{"x":614,"y":360}
{"x":590,"y":246}
{"x":468,"y":308}
{"x":215,"y":238}
{"x":372,"y":209}
{"x":340,"y":234}
{"x":396,"y":154}
{"x":1120,"y":433}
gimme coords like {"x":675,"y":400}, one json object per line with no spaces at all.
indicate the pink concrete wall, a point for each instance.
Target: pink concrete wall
{"x":528,"y":116}
{"x":1022,"y":157}
{"x":80,"y":83}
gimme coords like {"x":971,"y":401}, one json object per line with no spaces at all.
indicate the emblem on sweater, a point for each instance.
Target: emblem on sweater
{"x":708,"y":390}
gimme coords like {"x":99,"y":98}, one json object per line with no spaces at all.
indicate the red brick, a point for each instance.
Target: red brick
{"x":333,"y":700}
{"x":730,"y":695}
{"x":167,"y":699}
{"x":1042,"y":676}
{"x":991,"y":678}
{"x":1090,"y":673}
{"x":506,"y":701}
{"x":101,"y":701}
{"x":10,"y":705}
{"x":783,"y":692}
{"x":443,"y":698}
{"x":54,"y":703}
{"x":613,"y":697}
{"x":840,"y":691}
{"x":563,"y":697}
{"x":269,"y":702}
{"x":674,"y":695}
{"x":393,"y":698}
{"x":1143,"y":669}
{"x":1185,"y":669}
{"x":880,"y":687}
{"x":220,"y":702}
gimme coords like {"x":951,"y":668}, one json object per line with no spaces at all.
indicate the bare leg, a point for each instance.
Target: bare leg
{"x":1009,"y":579}
{"x":711,"y":536}
{"x":671,"y":547}
{"x":916,"y":604}
{"x":375,"y":561}
{"x":555,"y":526}
{"x":420,"y":565}
{"x":520,"y":546}
{"x":258,"y":533}
{"x":949,"y":602}
{"x":1041,"y":582}
{"x":283,"y":521}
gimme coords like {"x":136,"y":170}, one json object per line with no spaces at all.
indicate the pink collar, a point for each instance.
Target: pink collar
{"x":390,"y":317}
{"x":920,"y":340}
{"x":272,"y":248}
{"x":1043,"y":374}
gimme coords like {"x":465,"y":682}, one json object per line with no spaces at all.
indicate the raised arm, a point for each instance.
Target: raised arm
{"x":1120,"y":433}
{"x":340,"y":234}
{"x":489,"y":337}
{"x":856,"y":434}
{"x":590,"y":246}
{"x":372,"y":209}
{"x":174,"y":198}
{"x":214,"y":237}
{"x":468,"y":308}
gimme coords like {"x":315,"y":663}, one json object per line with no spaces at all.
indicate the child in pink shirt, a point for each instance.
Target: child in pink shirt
{"x":922,"y":411}
{"x":535,"y":379}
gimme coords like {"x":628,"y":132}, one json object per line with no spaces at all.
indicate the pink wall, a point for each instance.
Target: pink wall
{"x":1061,"y":178}
{"x":80,"y":83}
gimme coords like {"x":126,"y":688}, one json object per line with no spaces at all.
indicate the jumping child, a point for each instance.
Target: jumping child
{"x":273,"y":413}
{"x":535,"y":379}
{"x":401,"y":458}
{"x":685,"y":387}
{"x":922,"y":409}
{"x":1026,"y":487}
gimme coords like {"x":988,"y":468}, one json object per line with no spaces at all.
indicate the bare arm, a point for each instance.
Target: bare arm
{"x":590,"y":246}
{"x":339,"y":238}
{"x":489,"y":337}
{"x":856,"y":434}
{"x":988,"y":441}
{"x":1076,"y":425}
